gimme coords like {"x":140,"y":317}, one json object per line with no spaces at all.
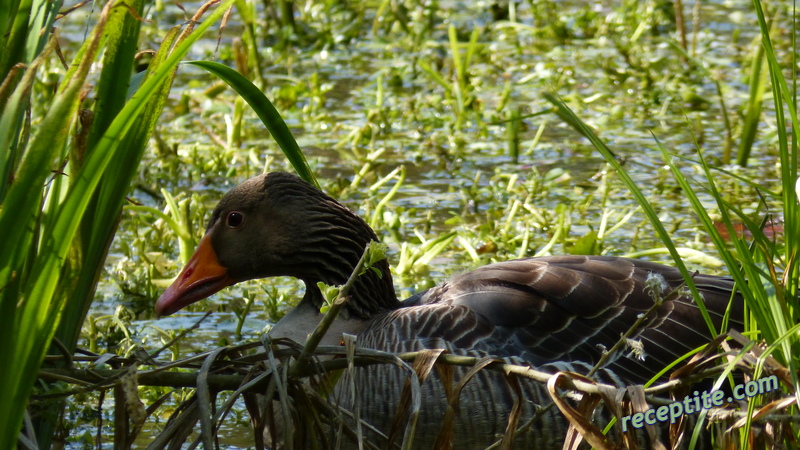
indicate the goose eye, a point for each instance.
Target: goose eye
{"x":235,"y":219}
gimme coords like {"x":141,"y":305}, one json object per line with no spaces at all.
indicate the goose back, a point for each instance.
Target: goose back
{"x":562,"y":309}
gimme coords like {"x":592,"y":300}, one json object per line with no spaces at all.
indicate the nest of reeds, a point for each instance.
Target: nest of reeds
{"x":287,"y":395}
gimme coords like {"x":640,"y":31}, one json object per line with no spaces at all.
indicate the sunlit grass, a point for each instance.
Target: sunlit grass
{"x":368,"y":89}
{"x":54,"y":247}
{"x":765,"y":267}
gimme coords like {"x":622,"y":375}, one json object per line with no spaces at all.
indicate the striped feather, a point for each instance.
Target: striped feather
{"x":553,"y":313}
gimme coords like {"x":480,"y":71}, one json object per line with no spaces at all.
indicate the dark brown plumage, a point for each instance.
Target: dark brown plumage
{"x":559,"y":312}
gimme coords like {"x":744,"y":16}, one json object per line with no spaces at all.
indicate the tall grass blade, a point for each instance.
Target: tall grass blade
{"x":266,"y":112}
{"x":8,"y":10}
{"x":31,"y":306}
{"x":43,"y":14}
{"x":11,"y":120}
{"x":99,"y":223}
{"x":15,"y":32}
{"x":566,"y":114}
{"x":784,"y":299}
{"x":758,"y":84}
{"x":25,"y":333}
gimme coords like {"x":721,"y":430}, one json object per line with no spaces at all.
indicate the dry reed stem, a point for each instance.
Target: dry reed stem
{"x":226,"y":369}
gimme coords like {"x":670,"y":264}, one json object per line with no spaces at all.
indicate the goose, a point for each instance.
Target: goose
{"x":552,"y":313}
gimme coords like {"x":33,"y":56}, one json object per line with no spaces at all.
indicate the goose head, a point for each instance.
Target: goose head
{"x":276,"y":224}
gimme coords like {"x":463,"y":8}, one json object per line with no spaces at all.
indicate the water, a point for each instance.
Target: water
{"x":329,"y":93}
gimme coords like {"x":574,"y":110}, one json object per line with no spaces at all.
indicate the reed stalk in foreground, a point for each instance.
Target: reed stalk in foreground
{"x":63,"y":196}
{"x":766,"y":270}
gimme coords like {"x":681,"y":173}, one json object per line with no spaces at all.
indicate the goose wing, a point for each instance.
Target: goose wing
{"x":564,"y":309}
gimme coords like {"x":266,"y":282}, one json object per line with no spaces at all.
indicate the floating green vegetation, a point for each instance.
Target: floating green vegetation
{"x":436,"y":121}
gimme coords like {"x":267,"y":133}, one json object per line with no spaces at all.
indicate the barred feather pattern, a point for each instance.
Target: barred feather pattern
{"x":562,"y":308}
{"x":303,"y":233}
{"x":553,"y":313}
{"x":550,"y":312}
{"x":485,"y":404}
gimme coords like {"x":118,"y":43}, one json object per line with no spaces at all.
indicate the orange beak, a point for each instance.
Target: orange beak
{"x":202,"y":276}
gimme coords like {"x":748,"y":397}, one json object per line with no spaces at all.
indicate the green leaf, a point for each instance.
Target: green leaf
{"x":32,"y":310}
{"x":266,"y":112}
{"x":566,"y":114}
{"x":585,"y":245}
